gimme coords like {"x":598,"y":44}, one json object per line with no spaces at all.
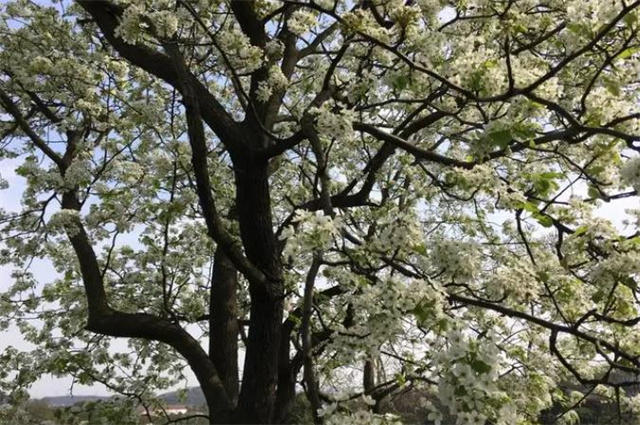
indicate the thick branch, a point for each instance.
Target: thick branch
{"x":249,"y":22}
{"x":13,"y":110}
{"x":107,"y":14}
{"x":199,"y":152}
{"x":310,"y":378}
{"x":223,"y":322}
{"x":107,"y":321}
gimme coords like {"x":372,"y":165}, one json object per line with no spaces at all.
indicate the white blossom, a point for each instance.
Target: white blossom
{"x":630,"y":173}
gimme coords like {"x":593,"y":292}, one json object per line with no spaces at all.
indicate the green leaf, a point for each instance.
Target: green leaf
{"x":551,"y":175}
{"x":544,"y":220}
{"x":578,"y":29}
{"x":480,"y":366}
{"x":476,"y":80}
{"x":580,"y":230}
{"x":519,"y":28}
{"x":528,"y":206}
{"x":544,"y":183}
{"x":460,"y":391}
{"x":593,"y":192}
{"x":524,"y":131}
{"x":490,"y":63}
{"x":629,"y":282}
{"x":630,"y":18}
{"x":500,"y":138}
{"x":627,"y":53}
{"x":421,"y":312}
{"x":612,"y":86}
{"x":442,"y":325}
{"x":400,"y":82}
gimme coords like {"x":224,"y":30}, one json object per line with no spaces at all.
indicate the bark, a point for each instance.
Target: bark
{"x":223,"y":323}
{"x":288,"y":370}
{"x":368,"y":376}
{"x":369,"y":382}
{"x":310,"y":379}
{"x":257,"y":395}
{"x":105,"y":320}
{"x":287,"y":376}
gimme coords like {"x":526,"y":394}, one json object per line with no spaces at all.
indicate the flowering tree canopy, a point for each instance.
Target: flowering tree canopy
{"x":348,"y":198}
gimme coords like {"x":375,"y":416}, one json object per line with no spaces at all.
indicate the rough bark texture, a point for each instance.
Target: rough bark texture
{"x":223,"y":323}
{"x":257,"y":395}
{"x":287,"y":375}
{"x":368,"y":376}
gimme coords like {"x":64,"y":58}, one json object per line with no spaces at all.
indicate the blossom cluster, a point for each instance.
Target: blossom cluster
{"x":312,"y":231}
{"x":468,"y":385}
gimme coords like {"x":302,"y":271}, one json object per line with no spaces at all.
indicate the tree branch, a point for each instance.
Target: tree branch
{"x":13,"y":110}
{"x":199,"y":152}
{"x":107,"y":15}
{"x":412,"y":149}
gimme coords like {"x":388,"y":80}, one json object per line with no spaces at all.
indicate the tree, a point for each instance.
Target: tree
{"x":358,"y":196}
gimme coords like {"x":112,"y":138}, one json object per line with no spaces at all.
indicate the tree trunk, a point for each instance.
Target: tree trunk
{"x":223,"y":323}
{"x":287,"y":376}
{"x":368,"y":376}
{"x":257,"y":395}
{"x":369,"y":382}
